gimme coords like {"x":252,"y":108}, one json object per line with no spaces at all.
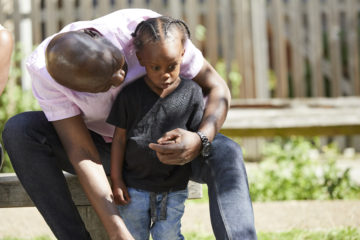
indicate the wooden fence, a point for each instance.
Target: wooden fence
{"x":263,"y":48}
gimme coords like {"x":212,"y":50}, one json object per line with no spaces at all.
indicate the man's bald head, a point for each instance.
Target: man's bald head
{"x":83,"y":63}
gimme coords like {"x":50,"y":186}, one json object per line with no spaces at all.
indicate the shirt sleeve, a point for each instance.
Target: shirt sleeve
{"x":193,"y":61}
{"x":118,"y":115}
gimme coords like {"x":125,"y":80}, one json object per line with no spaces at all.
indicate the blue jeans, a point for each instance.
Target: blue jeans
{"x":137,"y":218}
{"x":38,"y":158}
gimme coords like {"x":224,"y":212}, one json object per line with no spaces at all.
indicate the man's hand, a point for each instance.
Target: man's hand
{"x":185,"y":147}
{"x":121,"y":194}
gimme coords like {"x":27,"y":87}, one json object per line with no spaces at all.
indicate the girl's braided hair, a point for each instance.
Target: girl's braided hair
{"x":156,"y":29}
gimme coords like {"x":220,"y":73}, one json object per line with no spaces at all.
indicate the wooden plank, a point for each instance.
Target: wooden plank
{"x":291,"y":131}
{"x":157,"y":6}
{"x":2,"y":12}
{"x":92,"y":223}
{"x":36,"y":21}
{"x":315,"y":48}
{"x":239,"y":47}
{"x":120,"y":4}
{"x":334,"y":44}
{"x":175,"y":9}
{"x":296,"y":37}
{"x":69,"y":14}
{"x":260,"y":48}
{"x":12,"y":194}
{"x":225,"y":38}
{"x":352,"y":27}
{"x":16,"y":20}
{"x":279,"y":50}
{"x":86,"y":11}
{"x":244,"y":47}
{"x":139,"y":4}
{"x":191,"y":18}
{"x":103,"y":8}
{"x":310,"y":117}
{"x":211,"y":42}
{"x":51,"y":17}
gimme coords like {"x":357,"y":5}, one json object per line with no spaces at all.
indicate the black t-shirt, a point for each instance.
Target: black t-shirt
{"x":146,"y":117}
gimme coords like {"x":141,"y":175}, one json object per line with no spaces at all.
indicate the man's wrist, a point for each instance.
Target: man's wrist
{"x":205,"y":145}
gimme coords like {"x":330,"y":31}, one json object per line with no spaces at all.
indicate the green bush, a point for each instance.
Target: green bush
{"x":14,"y":100}
{"x":288,"y":172}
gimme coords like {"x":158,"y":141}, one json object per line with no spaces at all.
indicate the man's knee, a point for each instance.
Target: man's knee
{"x":16,"y":128}
{"x":226,"y":148}
{"x":12,"y":128}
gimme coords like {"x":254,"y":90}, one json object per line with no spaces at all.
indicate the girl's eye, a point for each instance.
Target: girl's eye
{"x":155,"y":68}
{"x":172,"y":67}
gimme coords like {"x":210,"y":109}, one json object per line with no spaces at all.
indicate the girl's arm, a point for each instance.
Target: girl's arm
{"x":118,"y":146}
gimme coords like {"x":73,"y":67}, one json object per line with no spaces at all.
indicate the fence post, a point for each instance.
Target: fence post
{"x":260,"y":48}
{"x":335,"y":55}
{"x":352,"y":27}
{"x":279,"y":47}
{"x":315,"y":49}
{"x":296,"y":34}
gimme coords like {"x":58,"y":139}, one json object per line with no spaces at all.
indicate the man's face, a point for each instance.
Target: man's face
{"x":108,"y":68}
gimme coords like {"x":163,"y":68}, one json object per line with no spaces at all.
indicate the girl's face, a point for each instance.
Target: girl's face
{"x":162,"y":61}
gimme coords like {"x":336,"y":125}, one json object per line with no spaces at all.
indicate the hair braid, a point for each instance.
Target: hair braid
{"x":155,"y":29}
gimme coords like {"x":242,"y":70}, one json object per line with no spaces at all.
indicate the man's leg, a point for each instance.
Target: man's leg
{"x":38,"y":158}
{"x":230,"y":204}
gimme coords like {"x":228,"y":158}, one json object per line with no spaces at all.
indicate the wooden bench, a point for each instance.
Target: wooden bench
{"x":246,"y":118}
{"x":12,"y":194}
{"x":287,"y":117}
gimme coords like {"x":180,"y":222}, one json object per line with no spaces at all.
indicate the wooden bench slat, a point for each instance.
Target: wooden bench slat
{"x":307,"y":117}
{"x":12,"y":194}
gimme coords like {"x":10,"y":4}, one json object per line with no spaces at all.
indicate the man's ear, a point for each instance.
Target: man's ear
{"x":138,"y":55}
{"x":118,"y":77}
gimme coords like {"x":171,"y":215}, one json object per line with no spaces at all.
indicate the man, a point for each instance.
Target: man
{"x":76,"y":76}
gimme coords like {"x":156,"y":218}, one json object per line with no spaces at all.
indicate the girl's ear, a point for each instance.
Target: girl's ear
{"x":183,"y":52}
{"x":138,"y":55}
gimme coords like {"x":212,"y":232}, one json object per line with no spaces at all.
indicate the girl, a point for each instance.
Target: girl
{"x":151,"y":194}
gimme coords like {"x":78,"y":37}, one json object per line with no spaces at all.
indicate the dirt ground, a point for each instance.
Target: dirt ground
{"x":272,"y":216}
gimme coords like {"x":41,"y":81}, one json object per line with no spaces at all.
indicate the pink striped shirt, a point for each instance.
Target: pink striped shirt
{"x":59,"y":102}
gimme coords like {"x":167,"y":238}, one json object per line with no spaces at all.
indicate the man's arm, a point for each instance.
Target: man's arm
{"x":84,"y":156}
{"x":218,"y":103}
{"x":187,"y":144}
{"x":6,"y":44}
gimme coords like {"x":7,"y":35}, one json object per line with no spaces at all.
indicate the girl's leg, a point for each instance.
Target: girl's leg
{"x":170,"y":228}
{"x":38,"y":158}
{"x":136,"y":214}
{"x":230,"y":204}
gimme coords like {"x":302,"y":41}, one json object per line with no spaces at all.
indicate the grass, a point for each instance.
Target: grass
{"x":335,"y":234}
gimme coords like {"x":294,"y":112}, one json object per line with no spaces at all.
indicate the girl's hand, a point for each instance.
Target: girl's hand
{"x":121,"y":194}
